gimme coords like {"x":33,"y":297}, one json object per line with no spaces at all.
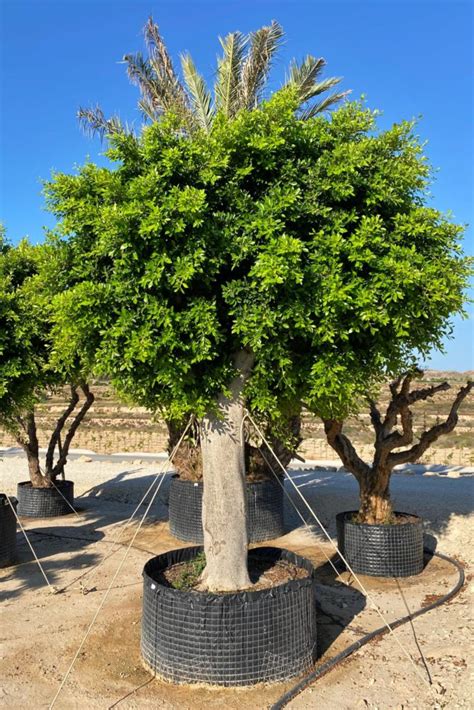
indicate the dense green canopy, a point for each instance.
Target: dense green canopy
{"x":307,"y":241}
{"x":24,"y":331}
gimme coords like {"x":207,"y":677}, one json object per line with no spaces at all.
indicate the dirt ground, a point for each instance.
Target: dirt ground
{"x":41,"y":631}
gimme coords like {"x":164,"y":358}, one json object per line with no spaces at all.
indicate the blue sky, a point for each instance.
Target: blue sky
{"x":409,"y":58}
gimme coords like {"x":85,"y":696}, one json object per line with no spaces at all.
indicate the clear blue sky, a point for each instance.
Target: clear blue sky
{"x":409,"y":57}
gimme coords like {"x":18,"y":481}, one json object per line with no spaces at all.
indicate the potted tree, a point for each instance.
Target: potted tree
{"x":376,"y":540}
{"x":267,"y":260}
{"x":27,"y":375}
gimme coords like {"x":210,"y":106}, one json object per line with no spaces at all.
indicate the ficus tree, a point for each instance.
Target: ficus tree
{"x":395,"y":442}
{"x":242,"y":74}
{"x":26,"y":374}
{"x":268,"y":262}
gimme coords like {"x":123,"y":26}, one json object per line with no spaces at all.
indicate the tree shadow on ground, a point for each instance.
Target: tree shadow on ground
{"x":337,"y":605}
{"x":48,"y":543}
{"x":121,"y":488}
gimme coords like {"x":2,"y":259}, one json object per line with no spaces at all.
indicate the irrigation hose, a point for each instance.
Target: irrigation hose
{"x":324,"y":668}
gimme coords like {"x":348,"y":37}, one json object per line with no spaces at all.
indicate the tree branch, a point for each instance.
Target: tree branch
{"x":72,"y":429}
{"x":430,"y":436}
{"x":54,"y":440}
{"x":422,"y":394}
{"x":375,"y":417}
{"x":344,"y":448}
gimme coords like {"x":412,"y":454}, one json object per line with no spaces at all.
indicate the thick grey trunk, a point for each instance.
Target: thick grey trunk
{"x":224,"y":490}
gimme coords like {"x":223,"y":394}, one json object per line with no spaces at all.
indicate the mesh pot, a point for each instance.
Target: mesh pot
{"x":228,"y":639}
{"x":264,"y":510}
{"x":7,"y":531}
{"x":381,"y":550}
{"x":45,"y":502}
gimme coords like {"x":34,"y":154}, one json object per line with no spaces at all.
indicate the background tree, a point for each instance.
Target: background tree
{"x":270,"y":262}
{"x":241,"y":77}
{"x":26,"y":375}
{"x":390,"y":442}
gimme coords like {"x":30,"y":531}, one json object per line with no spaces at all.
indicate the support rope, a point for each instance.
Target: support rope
{"x":51,"y":588}
{"x":67,"y":501}
{"x":301,"y":516}
{"x":327,"y":666}
{"x":121,"y":527}
{"x":364,"y":590}
{"x":117,"y":572}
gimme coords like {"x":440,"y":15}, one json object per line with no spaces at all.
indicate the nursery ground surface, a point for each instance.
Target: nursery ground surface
{"x":41,"y":632}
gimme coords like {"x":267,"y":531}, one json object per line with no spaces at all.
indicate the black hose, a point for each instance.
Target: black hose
{"x":329,"y":665}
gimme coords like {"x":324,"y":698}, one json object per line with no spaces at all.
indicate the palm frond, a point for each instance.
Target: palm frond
{"x":156,"y":97}
{"x":94,"y":123}
{"x":147,"y":109}
{"x":201,"y":101}
{"x":171,"y":89}
{"x":303,"y":76}
{"x":140,"y":73}
{"x":227,"y":83}
{"x":320,"y":87}
{"x":323,"y":105}
{"x":255,"y":69}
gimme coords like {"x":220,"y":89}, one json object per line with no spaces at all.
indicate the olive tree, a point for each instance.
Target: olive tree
{"x":26,"y":373}
{"x":395,"y":441}
{"x":268,"y":262}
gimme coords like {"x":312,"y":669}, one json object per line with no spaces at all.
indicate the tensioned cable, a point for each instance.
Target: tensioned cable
{"x":369,"y":597}
{"x":119,"y":568}
{"x":301,"y":516}
{"x":121,"y":527}
{"x":337,"y":572}
{"x":67,"y":501}
{"x":51,"y":588}
{"x":324,"y":668}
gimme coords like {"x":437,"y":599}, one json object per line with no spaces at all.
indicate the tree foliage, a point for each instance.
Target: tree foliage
{"x":308,"y":242}
{"x":241,"y":76}
{"x":24,"y":328}
{"x":26,"y":370}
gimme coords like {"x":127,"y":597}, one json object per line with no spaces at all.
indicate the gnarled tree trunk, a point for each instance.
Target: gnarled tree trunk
{"x":375,"y":505}
{"x":224,"y":489}
{"x":374,"y":481}
{"x":29,"y":442}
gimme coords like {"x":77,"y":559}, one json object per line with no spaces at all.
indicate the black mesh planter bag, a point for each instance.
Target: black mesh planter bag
{"x":264,"y":510}
{"x":45,"y":502}
{"x":7,"y":531}
{"x":381,"y":550}
{"x":228,"y":639}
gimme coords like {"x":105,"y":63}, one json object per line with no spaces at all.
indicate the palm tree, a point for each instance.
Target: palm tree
{"x":241,"y":77}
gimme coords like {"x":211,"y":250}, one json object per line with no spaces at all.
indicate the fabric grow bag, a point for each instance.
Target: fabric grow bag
{"x":381,"y":550}
{"x":264,"y":510}
{"x":7,"y":530}
{"x":228,"y":639}
{"x":45,"y":502}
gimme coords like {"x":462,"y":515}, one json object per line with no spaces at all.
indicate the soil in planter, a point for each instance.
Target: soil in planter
{"x":188,"y":464}
{"x":394,"y":519}
{"x":264,"y":574}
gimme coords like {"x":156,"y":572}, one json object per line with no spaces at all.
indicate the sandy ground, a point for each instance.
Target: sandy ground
{"x":40,"y":632}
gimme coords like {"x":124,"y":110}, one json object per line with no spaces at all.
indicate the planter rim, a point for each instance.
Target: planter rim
{"x":172,"y":557}
{"x":344,"y":517}
{"x":58,"y":484}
